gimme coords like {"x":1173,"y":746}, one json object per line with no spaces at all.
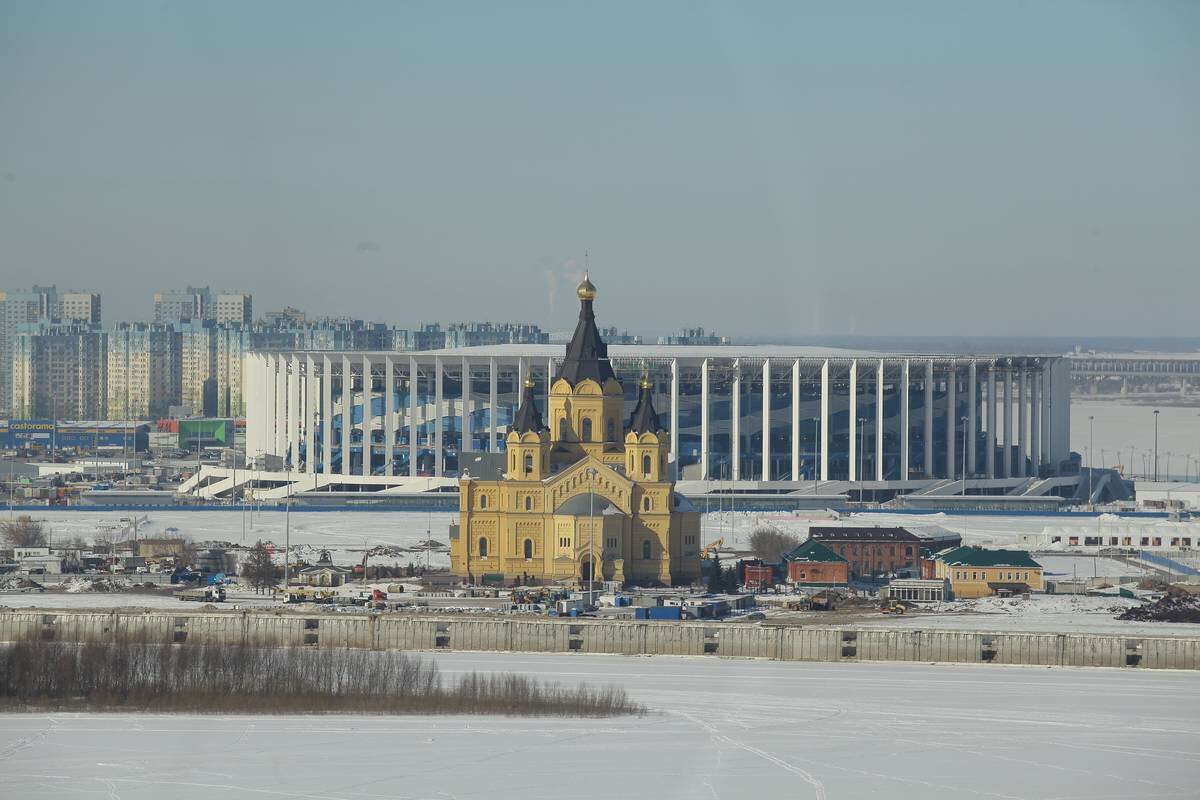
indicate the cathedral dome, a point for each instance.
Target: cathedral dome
{"x":587,"y":289}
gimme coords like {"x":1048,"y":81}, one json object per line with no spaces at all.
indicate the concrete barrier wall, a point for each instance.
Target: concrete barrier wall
{"x":784,"y":643}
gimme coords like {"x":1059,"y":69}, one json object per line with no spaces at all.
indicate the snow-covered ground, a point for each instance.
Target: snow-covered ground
{"x":717,"y":729}
{"x":976,"y":529}
{"x":1079,"y":566}
{"x":1038,"y":614}
{"x":1123,"y":434}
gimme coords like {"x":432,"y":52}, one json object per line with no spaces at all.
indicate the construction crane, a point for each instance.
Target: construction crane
{"x":711,"y":547}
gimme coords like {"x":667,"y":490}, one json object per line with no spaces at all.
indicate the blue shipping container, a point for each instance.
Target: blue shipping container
{"x":665,"y":612}
{"x":641,"y":612}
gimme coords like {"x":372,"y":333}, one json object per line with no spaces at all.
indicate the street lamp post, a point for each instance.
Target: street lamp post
{"x":1156,"y":445}
{"x":862,"y":421}
{"x":963,"y":420}
{"x":287,"y":529}
{"x":591,"y":473}
{"x":1091,"y":454}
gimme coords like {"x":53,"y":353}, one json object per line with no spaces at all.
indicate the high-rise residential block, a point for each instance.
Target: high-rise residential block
{"x":143,"y":370}
{"x":80,"y":307}
{"x":59,"y":370}
{"x":234,"y":308}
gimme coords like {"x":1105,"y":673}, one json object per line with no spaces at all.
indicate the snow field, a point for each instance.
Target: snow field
{"x":716,"y":729}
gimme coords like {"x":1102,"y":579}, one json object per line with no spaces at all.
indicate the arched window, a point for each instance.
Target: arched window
{"x":646,"y":549}
{"x":529,"y":548}
{"x":483,"y":501}
{"x":645,"y":504}
{"x":512,"y":461}
{"x":587,"y":429}
{"x":483,"y":548}
{"x":563,"y":429}
{"x":646,"y":465}
{"x":612,"y":432}
{"x":529,"y":504}
{"x":528,"y":463}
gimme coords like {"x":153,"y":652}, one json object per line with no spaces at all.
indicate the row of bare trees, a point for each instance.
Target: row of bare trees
{"x":152,"y":677}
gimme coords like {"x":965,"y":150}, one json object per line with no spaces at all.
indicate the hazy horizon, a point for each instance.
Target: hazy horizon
{"x":772,"y":171}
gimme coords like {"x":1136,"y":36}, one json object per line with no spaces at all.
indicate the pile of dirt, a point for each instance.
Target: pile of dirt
{"x":19,"y":584}
{"x":1172,"y":608}
{"x":78,"y":585}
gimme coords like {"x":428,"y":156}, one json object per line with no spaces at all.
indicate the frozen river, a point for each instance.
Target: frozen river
{"x":718,"y":729}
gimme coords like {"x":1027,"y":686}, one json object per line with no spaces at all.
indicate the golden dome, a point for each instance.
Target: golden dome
{"x":587,"y":289}
{"x":529,"y":384}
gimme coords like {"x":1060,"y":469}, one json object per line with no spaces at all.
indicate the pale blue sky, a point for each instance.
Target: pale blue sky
{"x":765,"y":169}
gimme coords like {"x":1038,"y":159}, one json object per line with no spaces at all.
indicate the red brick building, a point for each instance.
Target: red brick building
{"x":872,"y":551}
{"x":812,"y":563}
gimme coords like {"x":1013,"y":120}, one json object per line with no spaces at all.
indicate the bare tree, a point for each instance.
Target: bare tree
{"x":770,"y":544}
{"x":24,"y":531}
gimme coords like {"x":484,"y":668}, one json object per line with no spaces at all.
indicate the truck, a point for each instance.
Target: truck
{"x":203,"y":594}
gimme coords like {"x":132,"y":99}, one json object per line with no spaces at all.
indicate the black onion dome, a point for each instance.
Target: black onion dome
{"x":528,"y":419}
{"x":587,"y":354}
{"x":644,"y":418}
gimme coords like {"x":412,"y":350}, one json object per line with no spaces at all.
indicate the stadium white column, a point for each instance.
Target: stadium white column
{"x":796,"y":420}
{"x":368,"y":419}
{"x":675,"y":415}
{"x":293,"y":412}
{"x":879,"y":384}
{"x":1006,"y":461}
{"x":389,"y":414}
{"x":347,"y":413}
{"x":280,"y":430}
{"x":1022,"y":422}
{"x":990,"y":439}
{"x":414,"y":383}
{"x":951,"y":419}
{"x":1035,"y":423}
{"x":735,"y":422}
{"x":927,"y":427}
{"x":766,"y":423}
{"x":905,"y":371}
{"x":437,"y":418}
{"x":972,"y":415}
{"x":704,"y":419}
{"x":310,"y":412}
{"x":465,"y":412}
{"x":492,"y":401}
{"x":326,"y":416}
{"x":852,"y":438}
{"x":252,"y":412}
{"x":824,"y":435}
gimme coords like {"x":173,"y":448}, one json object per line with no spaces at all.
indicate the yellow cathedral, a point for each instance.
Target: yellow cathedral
{"x":582,"y":490}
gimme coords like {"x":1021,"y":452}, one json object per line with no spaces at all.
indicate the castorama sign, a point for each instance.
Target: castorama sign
{"x":30,"y":430}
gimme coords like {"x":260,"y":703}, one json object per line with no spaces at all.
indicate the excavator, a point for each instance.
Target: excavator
{"x":710,"y":548}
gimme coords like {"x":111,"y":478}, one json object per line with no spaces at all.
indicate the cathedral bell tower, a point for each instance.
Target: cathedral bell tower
{"x":586,"y":401}
{"x":528,"y":441}
{"x":646,"y":442}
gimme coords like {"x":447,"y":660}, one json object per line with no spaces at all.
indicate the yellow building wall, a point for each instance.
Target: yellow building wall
{"x":972,"y":582}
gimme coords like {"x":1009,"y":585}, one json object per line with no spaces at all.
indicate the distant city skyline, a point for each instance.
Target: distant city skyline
{"x":776,"y":171}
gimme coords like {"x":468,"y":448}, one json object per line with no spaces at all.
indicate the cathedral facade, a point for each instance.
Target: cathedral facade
{"x":585,"y":495}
